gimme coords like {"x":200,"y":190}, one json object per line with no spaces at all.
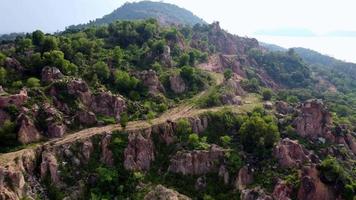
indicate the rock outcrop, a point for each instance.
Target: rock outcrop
{"x":14,"y":99}
{"x":197,"y":162}
{"x":254,"y":194}
{"x":162,"y":193}
{"x":282,"y":191}
{"x":107,"y":104}
{"x":177,"y":84}
{"x":290,"y":153}
{"x":106,"y":154}
{"x":50,"y":74}
{"x":314,"y":120}
{"x":28,"y":132}
{"x":13,"y":64}
{"x":140,"y":151}
{"x":244,"y":178}
{"x":150,"y":79}
{"x":283,"y":107}
{"x":49,"y":167}
{"x":312,"y":188}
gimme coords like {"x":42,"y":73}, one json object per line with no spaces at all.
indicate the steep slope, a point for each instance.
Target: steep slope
{"x":166,"y":14}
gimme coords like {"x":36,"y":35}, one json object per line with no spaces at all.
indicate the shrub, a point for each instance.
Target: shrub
{"x":124,"y":118}
{"x":225,"y":140}
{"x":33,"y":82}
{"x":258,"y":136}
{"x":267,"y":94}
{"x":228,"y":74}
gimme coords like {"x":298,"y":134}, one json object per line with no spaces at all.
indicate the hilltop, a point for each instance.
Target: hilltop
{"x":165,"y":13}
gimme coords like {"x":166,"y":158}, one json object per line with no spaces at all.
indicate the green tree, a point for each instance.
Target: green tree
{"x":228,"y":73}
{"x":33,"y":82}
{"x":50,"y":43}
{"x":124,"y":118}
{"x":225,"y":140}
{"x":38,"y":38}
{"x":124,"y":82}
{"x":258,"y":136}
{"x":23,"y":45}
{"x":267,"y":94}
{"x":102,"y":70}
{"x":3,"y":76}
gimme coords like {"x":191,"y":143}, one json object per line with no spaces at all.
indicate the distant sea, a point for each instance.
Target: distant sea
{"x":342,"y":48}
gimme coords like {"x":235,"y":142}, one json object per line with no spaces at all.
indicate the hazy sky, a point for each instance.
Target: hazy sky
{"x":242,"y":17}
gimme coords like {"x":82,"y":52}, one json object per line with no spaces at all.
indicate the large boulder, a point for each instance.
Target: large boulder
{"x":150,"y":79}
{"x":139,"y":152}
{"x":197,"y":162}
{"x":177,"y":84}
{"x":244,"y":178}
{"x":282,"y":191}
{"x":312,"y":188}
{"x":28,"y":132}
{"x":283,"y":107}
{"x":108,"y":104}
{"x":50,"y":74}
{"x":54,"y":121}
{"x":13,"y":64}
{"x":15,"y":99}
{"x":162,"y":193}
{"x":314,"y":120}
{"x":86,"y":118}
{"x":290,"y":153}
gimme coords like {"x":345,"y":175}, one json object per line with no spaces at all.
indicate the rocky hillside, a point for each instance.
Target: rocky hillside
{"x":166,"y":14}
{"x":137,"y":110}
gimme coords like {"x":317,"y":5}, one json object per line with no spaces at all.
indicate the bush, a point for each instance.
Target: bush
{"x":124,"y":82}
{"x":267,"y":94}
{"x":228,"y":74}
{"x":3,"y":76}
{"x":102,"y":70}
{"x":33,"y":82}
{"x":258,"y":136}
{"x":225,"y":140}
{"x":124,"y":118}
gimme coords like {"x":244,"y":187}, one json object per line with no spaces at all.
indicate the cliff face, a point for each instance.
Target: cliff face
{"x":25,"y":172}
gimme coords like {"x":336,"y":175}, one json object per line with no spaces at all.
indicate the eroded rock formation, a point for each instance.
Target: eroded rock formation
{"x":197,"y":162}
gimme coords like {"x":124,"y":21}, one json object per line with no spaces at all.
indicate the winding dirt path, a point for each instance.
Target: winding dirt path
{"x":185,"y":110}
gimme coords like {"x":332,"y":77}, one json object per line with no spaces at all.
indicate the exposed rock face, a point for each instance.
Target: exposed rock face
{"x":244,"y":178}
{"x":150,"y":79}
{"x":283,"y":107}
{"x":13,"y":64}
{"x":198,"y":124}
{"x":54,"y":119}
{"x":224,"y":174}
{"x":87,"y":150}
{"x":166,"y":132}
{"x":140,"y":151}
{"x":49,"y":74}
{"x":3,"y":117}
{"x":107,"y":104}
{"x":351,"y":142}
{"x":27,"y":133}
{"x":166,"y":58}
{"x":282,"y":191}
{"x":15,"y":99}
{"x":312,"y":188}
{"x":254,"y":194}
{"x":86,"y":118}
{"x":49,"y":166}
{"x":162,"y":193}
{"x":177,"y":84}
{"x":229,"y":44}
{"x":106,"y":153}
{"x":314,"y":120}
{"x":197,"y":162}
{"x":291,"y":154}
